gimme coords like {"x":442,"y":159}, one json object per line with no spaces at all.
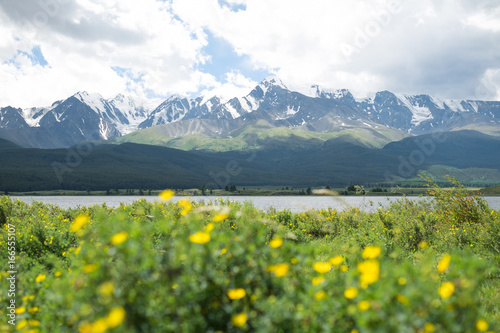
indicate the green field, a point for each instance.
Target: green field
{"x":229,"y":267}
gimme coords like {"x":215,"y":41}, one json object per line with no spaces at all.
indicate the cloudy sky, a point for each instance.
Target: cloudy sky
{"x":51,"y":49}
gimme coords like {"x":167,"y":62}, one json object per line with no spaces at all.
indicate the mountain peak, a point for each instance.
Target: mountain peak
{"x":272,"y":81}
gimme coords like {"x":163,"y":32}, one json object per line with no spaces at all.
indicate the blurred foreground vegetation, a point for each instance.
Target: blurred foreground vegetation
{"x":229,"y":267}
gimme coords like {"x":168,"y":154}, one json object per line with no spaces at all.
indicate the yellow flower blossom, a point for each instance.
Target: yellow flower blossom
{"x":223,"y":251}
{"x":371,"y":252}
{"x":370,"y":272}
{"x":239,"y":319}
{"x":209,"y":227}
{"x":318,"y":280}
{"x":79,"y":222}
{"x":337,"y":260}
{"x":402,"y":281}
{"x":22,"y":324}
{"x":115,"y":317}
{"x":57,"y":273}
{"x":186,"y":206}
{"x":428,"y":328}
{"x":20,"y":309}
{"x":402,"y":299}
{"x":276,"y":243}
{"x":344,"y":268}
{"x":363,"y":305}
{"x":33,"y":322}
{"x":200,"y":237}
{"x":446,"y":289}
{"x":220,"y":217}
{"x":119,"y":238}
{"x":166,"y":195}
{"x":100,"y":326}
{"x":238,"y":293}
{"x":279,"y":270}
{"x":40,"y":278}
{"x":350,"y":293}
{"x":322,"y":267}
{"x":106,"y":288}
{"x":320,"y":295}
{"x":444,"y":263}
{"x":90,"y":268}
{"x":482,"y":325}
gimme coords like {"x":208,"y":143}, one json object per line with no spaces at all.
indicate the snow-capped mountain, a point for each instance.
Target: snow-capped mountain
{"x":90,"y":117}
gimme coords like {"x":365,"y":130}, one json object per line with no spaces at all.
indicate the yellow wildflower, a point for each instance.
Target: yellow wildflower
{"x":320,"y":295}
{"x":209,"y":227}
{"x":318,"y":280}
{"x":444,"y":263}
{"x":79,"y":222}
{"x":370,"y":272}
{"x":371,"y":252}
{"x":279,"y":270}
{"x":115,"y":317}
{"x":238,"y":293}
{"x":344,"y":268}
{"x":186,"y":206}
{"x":350,"y":293}
{"x":428,"y":328}
{"x":482,"y":325}
{"x":239,"y":319}
{"x":363,"y":305}
{"x":276,"y":242}
{"x":322,"y":267}
{"x":200,"y":237}
{"x":220,"y":217}
{"x":22,"y":324}
{"x":40,"y":278}
{"x":106,"y":288}
{"x":166,"y":195}
{"x":223,"y":251}
{"x":90,"y":268}
{"x":100,"y":326}
{"x":21,"y":309}
{"x":446,"y":289}
{"x":119,"y":238}
{"x":337,"y":260}
{"x":57,"y":273}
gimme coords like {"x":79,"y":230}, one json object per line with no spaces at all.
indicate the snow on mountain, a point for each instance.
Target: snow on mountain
{"x":419,"y":112}
{"x":88,"y":116}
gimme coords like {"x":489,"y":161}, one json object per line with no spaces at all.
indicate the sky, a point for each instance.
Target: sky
{"x":51,"y":49}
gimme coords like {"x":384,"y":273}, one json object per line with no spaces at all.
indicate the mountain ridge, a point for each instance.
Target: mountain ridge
{"x":90,"y":117}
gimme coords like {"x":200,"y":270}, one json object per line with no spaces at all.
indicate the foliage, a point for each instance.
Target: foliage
{"x":227,"y":266}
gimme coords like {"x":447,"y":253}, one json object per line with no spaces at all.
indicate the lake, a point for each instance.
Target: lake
{"x":293,"y":203}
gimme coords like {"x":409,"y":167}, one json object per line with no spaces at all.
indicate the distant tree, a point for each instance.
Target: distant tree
{"x":108,"y":192}
{"x":232,"y":188}
{"x":141,"y":192}
{"x":226,"y":188}
{"x":211,"y":191}
{"x":327,"y":187}
{"x":351,"y":188}
{"x":203,"y":190}
{"x":308,"y":191}
{"x":6,"y":192}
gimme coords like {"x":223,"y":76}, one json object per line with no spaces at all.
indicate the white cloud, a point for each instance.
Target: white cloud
{"x":447,"y":48}
{"x":83,"y":40}
{"x":414,"y":46}
{"x":235,"y":85}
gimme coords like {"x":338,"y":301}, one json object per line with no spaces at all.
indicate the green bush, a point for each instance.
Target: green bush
{"x":229,"y":267}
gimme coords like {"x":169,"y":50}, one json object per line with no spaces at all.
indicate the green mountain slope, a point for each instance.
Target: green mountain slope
{"x":334,"y":162}
{"x":261,"y":135}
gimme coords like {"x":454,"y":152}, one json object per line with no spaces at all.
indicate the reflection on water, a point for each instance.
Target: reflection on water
{"x":293,"y":203}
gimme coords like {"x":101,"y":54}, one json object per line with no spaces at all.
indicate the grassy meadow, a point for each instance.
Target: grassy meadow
{"x":229,"y":267}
